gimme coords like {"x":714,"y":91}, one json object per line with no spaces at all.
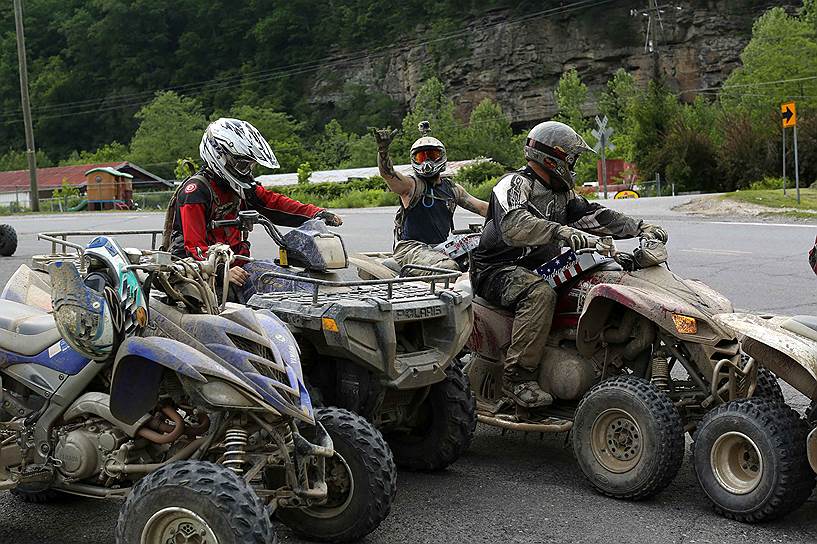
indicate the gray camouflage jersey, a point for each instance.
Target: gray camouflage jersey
{"x":522,"y":227}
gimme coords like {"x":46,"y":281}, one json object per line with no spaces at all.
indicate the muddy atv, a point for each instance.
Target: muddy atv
{"x":634,"y":360}
{"x":383,"y":349}
{"x":756,"y":459}
{"x":381,"y":264}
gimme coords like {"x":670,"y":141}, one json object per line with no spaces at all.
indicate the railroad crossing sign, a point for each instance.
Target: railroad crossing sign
{"x":789,"y":113}
{"x":602,"y":134}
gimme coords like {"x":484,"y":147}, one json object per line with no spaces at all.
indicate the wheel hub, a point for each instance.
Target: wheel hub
{"x":616,"y":440}
{"x":736,"y":463}
{"x":340,"y":489}
{"x":177,"y":526}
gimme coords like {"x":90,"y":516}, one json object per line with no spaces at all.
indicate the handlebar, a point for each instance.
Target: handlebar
{"x":245,"y":222}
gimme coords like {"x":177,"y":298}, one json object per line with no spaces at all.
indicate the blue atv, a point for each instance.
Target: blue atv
{"x":143,"y":383}
{"x":385,"y":348}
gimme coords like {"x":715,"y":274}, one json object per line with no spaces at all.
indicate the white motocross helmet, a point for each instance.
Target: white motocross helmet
{"x":231,"y":147}
{"x":428,"y":156}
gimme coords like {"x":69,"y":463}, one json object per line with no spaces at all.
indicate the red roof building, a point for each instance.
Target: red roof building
{"x":49,"y":179}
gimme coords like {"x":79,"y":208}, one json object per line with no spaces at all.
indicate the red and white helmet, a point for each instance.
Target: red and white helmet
{"x":231,"y":147}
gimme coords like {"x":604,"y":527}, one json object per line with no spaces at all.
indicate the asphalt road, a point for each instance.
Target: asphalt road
{"x":512,"y":488}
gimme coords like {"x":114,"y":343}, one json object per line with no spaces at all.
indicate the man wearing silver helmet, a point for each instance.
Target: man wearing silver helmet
{"x":533,"y":213}
{"x":428,"y":200}
{"x":230,"y":149}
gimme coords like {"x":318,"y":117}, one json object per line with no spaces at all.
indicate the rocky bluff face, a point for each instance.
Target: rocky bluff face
{"x":518,"y":64}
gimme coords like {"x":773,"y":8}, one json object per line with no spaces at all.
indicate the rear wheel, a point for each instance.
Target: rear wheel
{"x":750,"y":459}
{"x":628,"y":438}
{"x":444,"y":427}
{"x":8,"y":240}
{"x":361,"y":480}
{"x":193,"y":502}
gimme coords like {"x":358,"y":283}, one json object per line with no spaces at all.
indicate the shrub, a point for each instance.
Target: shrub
{"x":767,"y":183}
{"x":304,"y":172}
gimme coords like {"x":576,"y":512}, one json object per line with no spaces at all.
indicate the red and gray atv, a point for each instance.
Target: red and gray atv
{"x":633,"y":361}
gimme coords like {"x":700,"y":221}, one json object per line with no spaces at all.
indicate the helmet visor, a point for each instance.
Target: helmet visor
{"x":424,"y":155}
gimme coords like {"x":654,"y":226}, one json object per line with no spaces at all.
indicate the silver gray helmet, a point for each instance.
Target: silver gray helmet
{"x":231,"y":147}
{"x":556,"y":147}
{"x":428,"y":157}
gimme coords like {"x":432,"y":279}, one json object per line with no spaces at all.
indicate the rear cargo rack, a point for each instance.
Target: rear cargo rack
{"x":401,"y":287}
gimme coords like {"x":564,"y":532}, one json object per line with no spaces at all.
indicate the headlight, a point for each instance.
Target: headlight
{"x":220,"y":393}
{"x":685,"y":324}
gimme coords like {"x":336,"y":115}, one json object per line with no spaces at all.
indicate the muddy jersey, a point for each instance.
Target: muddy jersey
{"x":200,"y":200}
{"x":524,"y":216}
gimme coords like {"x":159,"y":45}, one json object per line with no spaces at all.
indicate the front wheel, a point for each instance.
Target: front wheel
{"x":8,"y":240}
{"x":628,"y":438}
{"x":443,"y":428}
{"x":750,"y":459}
{"x":361,"y":478}
{"x":196,"y":503}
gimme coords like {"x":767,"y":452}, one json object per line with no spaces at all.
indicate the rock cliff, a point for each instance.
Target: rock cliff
{"x":517,"y":61}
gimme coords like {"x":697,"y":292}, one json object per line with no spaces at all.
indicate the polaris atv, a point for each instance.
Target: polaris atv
{"x":202,"y":420}
{"x":381,"y":348}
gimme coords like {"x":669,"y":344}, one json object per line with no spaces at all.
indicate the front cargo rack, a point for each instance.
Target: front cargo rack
{"x":401,"y":287}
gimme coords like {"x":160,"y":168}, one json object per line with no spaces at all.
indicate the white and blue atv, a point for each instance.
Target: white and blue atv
{"x":143,"y":383}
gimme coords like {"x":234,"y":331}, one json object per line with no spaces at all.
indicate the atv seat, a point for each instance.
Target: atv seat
{"x":804,"y":325}
{"x":391,"y":264}
{"x":26,"y":330}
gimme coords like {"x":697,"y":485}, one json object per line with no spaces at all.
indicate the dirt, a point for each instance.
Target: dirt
{"x":715,"y":206}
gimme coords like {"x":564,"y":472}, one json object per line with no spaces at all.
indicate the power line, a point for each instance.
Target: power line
{"x":129,"y":100}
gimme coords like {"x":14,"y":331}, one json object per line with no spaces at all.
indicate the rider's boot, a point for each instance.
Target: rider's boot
{"x":525,"y":393}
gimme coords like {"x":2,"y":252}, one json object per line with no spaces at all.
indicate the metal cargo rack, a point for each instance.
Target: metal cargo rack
{"x":400,"y":288}
{"x":60,"y":240}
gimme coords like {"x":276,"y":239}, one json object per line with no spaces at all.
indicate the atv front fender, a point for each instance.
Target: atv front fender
{"x":657,"y":307}
{"x":138,"y":370}
{"x":791,"y":356}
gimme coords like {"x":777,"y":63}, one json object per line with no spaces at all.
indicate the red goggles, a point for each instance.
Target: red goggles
{"x":427,"y":154}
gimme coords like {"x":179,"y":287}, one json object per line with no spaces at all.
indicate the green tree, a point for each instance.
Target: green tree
{"x":782,"y":48}
{"x":489,"y":134}
{"x":434,"y":106}
{"x":17,"y":160}
{"x":571,"y":97}
{"x":332,"y":148}
{"x":281,"y":131}
{"x":650,"y":120}
{"x":112,"y":152}
{"x":170,"y":127}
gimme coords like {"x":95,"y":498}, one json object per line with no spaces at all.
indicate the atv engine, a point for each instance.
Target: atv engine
{"x":82,"y":451}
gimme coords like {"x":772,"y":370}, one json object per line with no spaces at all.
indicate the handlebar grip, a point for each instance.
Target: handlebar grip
{"x":225,"y":223}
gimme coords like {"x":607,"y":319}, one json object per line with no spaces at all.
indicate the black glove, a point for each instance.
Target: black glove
{"x":329,"y":218}
{"x":384,"y":137}
{"x":653,"y":232}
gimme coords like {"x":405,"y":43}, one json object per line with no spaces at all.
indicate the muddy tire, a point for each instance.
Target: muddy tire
{"x":768,"y":387}
{"x":191,"y":497}
{"x":447,"y":421}
{"x":750,"y":459}
{"x":628,"y":438}
{"x":362,"y":481}
{"x":8,"y":240}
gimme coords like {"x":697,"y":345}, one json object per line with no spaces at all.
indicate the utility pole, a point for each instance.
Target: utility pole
{"x":655,"y":24}
{"x":21,"y":60}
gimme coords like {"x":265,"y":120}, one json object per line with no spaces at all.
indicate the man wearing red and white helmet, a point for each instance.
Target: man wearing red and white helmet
{"x":230,"y":149}
{"x":533,"y":213}
{"x":428,"y":200}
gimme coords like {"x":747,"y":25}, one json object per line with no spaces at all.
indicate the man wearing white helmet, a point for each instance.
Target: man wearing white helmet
{"x":534,"y":212}
{"x":428,"y":200}
{"x":230,"y":148}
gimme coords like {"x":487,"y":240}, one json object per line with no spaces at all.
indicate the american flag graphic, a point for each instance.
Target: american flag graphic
{"x":567,"y":266}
